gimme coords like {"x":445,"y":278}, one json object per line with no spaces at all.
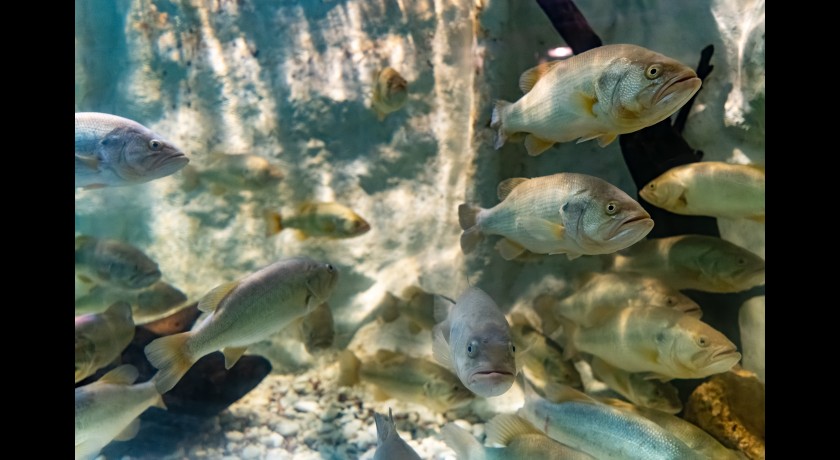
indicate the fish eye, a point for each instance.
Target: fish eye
{"x":155,"y":144}
{"x":653,"y":71}
{"x":512,"y":348}
{"x":670,"y":301}
{"x":612,"y":207}
{"x":742,"y":261}
{"x":652,"y":186}
{"x":703,"y":341}
{"x":660,"y":337}
{"x":472,"y":349}
{"x":330,"y":268}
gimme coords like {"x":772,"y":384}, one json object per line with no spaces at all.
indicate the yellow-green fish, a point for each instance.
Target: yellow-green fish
{"x":543,"y":362}
{"x":242,"y":313}
{"x":224,"y":171}
{"x":704,"y":263}
{"x":406,"y":378}
{"x":602,"y":431}
{"x":692,"y":435}
{"x":564,"y":213}
{"x":709,"y":188}
{"x":329,"y":219}
{"x":521,"y":441}
{"x":597,"y":94}
{"x":473,"y":340}
{"x":620,"y":290}
{"x":650,"y":393}
{"x":662,"y":342}
{"x":389,"y":444}
{"x":390,"y":92}
{"x":107,"y":410}
{"x":113,"y":151}
{"x":147,"y":304}
{"x":114,"y":263}
{"x":101,"y":338}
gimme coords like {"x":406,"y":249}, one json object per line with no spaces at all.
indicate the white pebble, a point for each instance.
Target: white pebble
{"x":286,"y":428}
{"x":351,"y":429}
{"x":251,"y":451}
{"x":307,"y":406}
{"x":478,"y":430}
{"x":234,"y":436}
{"x":278,"y":454}
{"x":272,"y":440}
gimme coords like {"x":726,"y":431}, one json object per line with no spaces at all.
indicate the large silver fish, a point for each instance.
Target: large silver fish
{"x":689,"y":433}
{"x":709,"y":188}
{"x":473,"y":340}
{"x":114,"y":263}
{"x":396,"y":375}
{"x":522,"y":441}
{"x":113,"y":151}
{"x":389,"y":444}
{"x":564,"y":213}
{"x":602,"y":431}
{"x":661,"y":342}
{"x":107,"y":410}
{"x":101,"y":338}
{"x":701,"y":262}
{"x":597,"y":94}
{"x":242,"y":313}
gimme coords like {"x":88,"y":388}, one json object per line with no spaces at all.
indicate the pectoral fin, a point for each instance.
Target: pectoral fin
{"x":504,"y":428}
{"x":89,"y":162}
{"x":212,"y":299}
{"x":509,"y":249}
{"x":541,"y":229}
{"x":535,"y":145}
{"x":129,"y":432}
{"x":440,"y":349}
{"x":606,"y":139}
{"x":232,"y":355}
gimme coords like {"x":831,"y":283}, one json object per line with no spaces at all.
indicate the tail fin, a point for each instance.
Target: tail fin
{"x":170,"y":356}
{"x":466,"y":447}
{"x":348,"y":374}
{"x":497,"y":123}
{"x":274,"y":222}
{"x":467,"y":219}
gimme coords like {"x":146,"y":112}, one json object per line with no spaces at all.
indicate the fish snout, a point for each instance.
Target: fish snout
{"x":681,"y":86}
{"x":490,"y":383}
{"x":635,"y":223}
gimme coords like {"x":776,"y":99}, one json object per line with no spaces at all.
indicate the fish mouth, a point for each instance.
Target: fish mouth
{"x":685,"y":83}
{"x":638,"y":222}
{"x":363,"y":227}
{"x":490,"y":383}
{"x":724,"y":354}
{"x":169,"y":163}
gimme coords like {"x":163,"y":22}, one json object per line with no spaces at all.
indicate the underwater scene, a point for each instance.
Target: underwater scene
{"x":419,"y":229}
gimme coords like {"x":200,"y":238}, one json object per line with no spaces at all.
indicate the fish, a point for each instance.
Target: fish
{"x":544,"y":365}
{"x":660,"y":342}
{"x":101,"y":338}
{"x":700,"y":262}
{"x":390,"y":92}
{"x":108,"y":410}
{"x":709,"y":188}
{"x":521,"y":441}
{"x":389,"y":444}
{"x":147,"y":304}
{"x":597,"y":94}
{"x":404,"y":377}
{"x":114,"y":263}
{"x":619,"y":290}
{"x":243,"y":312}
{"x":317,"y":329}
{"x":649,"y":393}
{"x":472,"y":339}
{"x":415,"y":303}
{"x":313,"y":218}
{"x":601,"y":431}
{"x":238,"y":171}
{"x":564,"y":213}
{"x":693,"y":436}
{"x":112,"y":151}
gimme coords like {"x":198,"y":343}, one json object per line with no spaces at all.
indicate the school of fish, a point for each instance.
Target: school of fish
{"x":630,"y":324}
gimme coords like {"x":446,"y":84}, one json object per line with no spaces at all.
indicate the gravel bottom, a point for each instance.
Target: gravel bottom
{"x":307,"y":416}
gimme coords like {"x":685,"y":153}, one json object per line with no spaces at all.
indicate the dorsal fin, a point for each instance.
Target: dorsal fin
{"x":209,"y":302}
{"x":506,"y":186}
{"x":531,"y":76}
{"x":442,"y":307}
{"x":123,"y":375}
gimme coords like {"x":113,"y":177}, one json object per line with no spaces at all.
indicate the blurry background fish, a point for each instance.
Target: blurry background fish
{"x":332,"y":220}
{"x":113,"y":263}
{"x":390,"y":92}
{"x":147,"y":304}
{"x":101,"y":337}
{"x":224,"y":171}
{"x":113,"y":151}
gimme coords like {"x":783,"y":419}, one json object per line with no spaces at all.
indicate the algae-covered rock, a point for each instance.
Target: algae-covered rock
{"x":730,"y":407}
